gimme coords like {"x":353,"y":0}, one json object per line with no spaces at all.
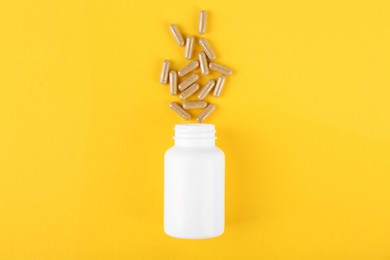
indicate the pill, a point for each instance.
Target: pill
{"x":188,"y":81}
{"x":204,"y":68}
{"x":179,"y":110}
{"x":205,"y":113}
{"x":189,"y":91}
{"x":202,"y":22}
{"x":173,"y":82}
{"x":219,"y":86}
{"x":194,"y":104}
{"x":188,"y":68}
{"x":176,"y":34}
{"x":220,"y":68}
{"x":207,"y":48}
{"x":189,"y":47}
{"x":164,"y":72}
{"x":206,"y":89}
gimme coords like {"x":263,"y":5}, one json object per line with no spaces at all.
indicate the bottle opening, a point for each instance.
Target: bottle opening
{"x":194,"y":134}
{"x":195,"y":131}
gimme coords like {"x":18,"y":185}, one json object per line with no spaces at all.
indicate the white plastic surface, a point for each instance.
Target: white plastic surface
{"x":194,"y":184}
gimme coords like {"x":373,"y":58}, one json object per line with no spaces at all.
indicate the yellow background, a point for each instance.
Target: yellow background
{"x":304,"y":122}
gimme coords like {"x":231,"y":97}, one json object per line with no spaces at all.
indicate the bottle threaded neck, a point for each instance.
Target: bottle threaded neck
{"x":194,"y":135}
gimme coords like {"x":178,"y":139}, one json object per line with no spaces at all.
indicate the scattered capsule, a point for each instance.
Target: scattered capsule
{"x":220,"y":68}
{"x":189,"y":47}
{"x":189,"y":91}
{"x":202,"y":22}
{"x":177,"y":34}
{"x":188,"y":86}
{"x":188,"y":68}
{"x":173,"y":82}
{"x":219,"y":86}
{"x":188,"y":81}
{"x":179,"y":110}
{"x":194,"y":104}
{"x":206,"y":89}
{"x":164,"y":72}
{"x":205,"y":113}
{"x":207,"y":48}
{"x":204,"y":68}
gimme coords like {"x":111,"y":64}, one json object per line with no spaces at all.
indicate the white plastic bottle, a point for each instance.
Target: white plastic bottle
{"x":194,"y":184}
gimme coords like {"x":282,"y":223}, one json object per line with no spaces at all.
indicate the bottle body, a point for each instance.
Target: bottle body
{"x":194,"y":187}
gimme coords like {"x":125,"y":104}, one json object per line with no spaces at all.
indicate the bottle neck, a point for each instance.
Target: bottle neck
{"x":194,"y":135}
{"x":194,"y":143}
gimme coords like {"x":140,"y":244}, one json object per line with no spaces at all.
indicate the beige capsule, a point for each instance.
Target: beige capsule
{"x":194,"y":104}
{"x":207,"y":48}
{"x":173,"y":82}
{"x":193,"y":65}
{"x":220,"y":68}
{"x":202,"y":22}
{"x":219,"y":86}
{"x":189,"y":47}
{"x":205,"y":113}
{"x":189,"y":91}
{"x":177,"y":34}
{"x":206,"y":89}
{"x":204,"y":68}
{"x":188,"y":81}
{"x":164,"y":72}
{"x":179,"y":110}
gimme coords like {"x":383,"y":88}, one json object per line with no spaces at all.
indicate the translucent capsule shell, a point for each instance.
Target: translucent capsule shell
{"x":194,"y":104}
{"x":219,"y":86}
{"x":193,"y":65}
{"x":206,"y":89}
{"x":188,"y":81}
{"x":220,"y":68}
{"x":177,"y":34}
{"x":189,"y":91}
{"x":204,"y":68}
{"x":207,"y":48}
{"x":179,"y":110}
{"x":164,"y":72}
{"x":173,"y":82}
{"x":189,"y":47}
{"x":205,"y":113}
{"x":202,"y":22}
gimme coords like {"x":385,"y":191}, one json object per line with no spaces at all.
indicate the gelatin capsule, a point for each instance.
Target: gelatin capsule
{"x":189,"y":47}
{"x":177,"y":34}
{"x":188,"y":81}
{"x":202,"y":22}
{"x":220,"y":68}
{"x":173,"y":82}
{"x":219,"y":86}
{"x":206,"y":89}
{"x":189,"y":91}
{"x":207,"y":48}
{"x":188,"y":68}
{"x":164,"y":72}
{"x":179,"y":110}
{"x":205,"y":113}
{"x":194,"y":104}
{"x":204,"y":68}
